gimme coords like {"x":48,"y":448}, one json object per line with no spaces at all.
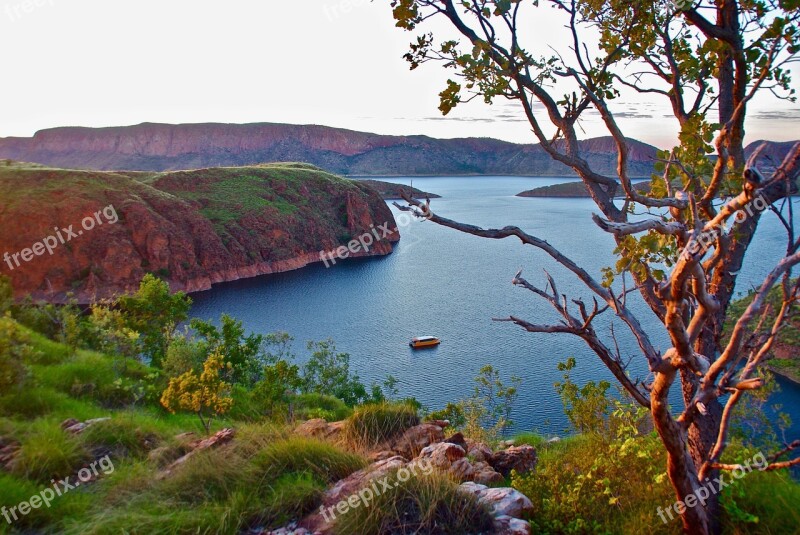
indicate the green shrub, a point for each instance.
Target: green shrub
{"x":328,"y":372}
{"x":48,"y":452}
{"x":373,"y":424}
{"x":312,"y":405}
{"x":531,"y":439}
{"x":14,"y":350}
{"x":297,"y":455}
{"x":423,"y":505}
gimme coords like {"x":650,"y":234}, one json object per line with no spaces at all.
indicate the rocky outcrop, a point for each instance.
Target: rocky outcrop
{"x":76,"y":427}
{"x":415,"y":439}
{"x":160,"y":147}
{"x":520,"y":458}
{"x":191,"y":228}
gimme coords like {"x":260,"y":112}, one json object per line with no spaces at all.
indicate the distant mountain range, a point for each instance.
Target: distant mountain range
{"x":164,"y":147}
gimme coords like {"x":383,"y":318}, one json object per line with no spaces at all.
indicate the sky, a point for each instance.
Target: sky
{"x":331,"y":62}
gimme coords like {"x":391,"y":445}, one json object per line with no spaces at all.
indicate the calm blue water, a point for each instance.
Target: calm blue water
{"x":448,"y":284}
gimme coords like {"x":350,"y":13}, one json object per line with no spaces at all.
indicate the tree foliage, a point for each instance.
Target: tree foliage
{"x":205,"y":394}
{"x":154,"y":312}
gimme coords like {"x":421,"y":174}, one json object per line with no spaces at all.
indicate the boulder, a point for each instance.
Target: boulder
{"x":416,"y":438}
{"x":502,"y":501}
{"x":458,"y":440}
{"x":520,"y":458}
{"x":315,"y":428}
{"x":319,"y":428}
{"x":440,"y":423}
{"x":462,"y":470}
{"x":507,"y":525}
{"x":485,"y":474}
{"x":441,"y":455}
{"x":358,"y":480}
{"x":478,"y":451}
{"x":381,"y":456}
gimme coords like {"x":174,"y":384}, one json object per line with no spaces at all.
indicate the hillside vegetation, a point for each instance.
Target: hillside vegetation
{"x":118,"y":388}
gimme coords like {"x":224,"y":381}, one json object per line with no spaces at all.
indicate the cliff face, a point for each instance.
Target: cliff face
{"x":193,"y":228}
{"x":159,"y":147}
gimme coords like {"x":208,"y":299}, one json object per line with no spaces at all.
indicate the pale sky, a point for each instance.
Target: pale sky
{"x":331,"y":62}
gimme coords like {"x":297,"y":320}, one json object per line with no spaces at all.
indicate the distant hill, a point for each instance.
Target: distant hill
{"x":574,"y":190}
{"x":773,"y":155}
{"x":162,"y":147}
{"x":105,"y":230}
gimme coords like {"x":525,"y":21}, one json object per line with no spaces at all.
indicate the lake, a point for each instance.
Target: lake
{"x":448,"y":284}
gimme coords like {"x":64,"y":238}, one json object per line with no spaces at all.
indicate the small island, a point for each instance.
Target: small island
{"x":574,"y":190}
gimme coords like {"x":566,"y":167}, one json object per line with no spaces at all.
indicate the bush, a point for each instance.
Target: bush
{"x":373,"y":424}
{"x":328,"y":372}
{"x":297,"y":455}
{"x":14,"y":350}
{"x":308,"y":406}
{"x":423,"y":505}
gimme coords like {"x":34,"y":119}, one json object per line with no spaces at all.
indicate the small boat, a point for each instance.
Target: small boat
{"x":424,"y":341}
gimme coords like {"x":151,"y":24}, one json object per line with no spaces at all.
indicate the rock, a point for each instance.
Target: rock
{"x":458,"y":440}
{"x":8,"y":452}
{"x":502,"y":501}
{"x":71,"y":425}
{"x":315,"y":428}
{"x":462,"y":470}
{"x":76,"y":429}
{"x":415,"y":439}
{"x":441,"y":455}
{"x":440,"y":423}
{"x":520,"y":458}
{"x":69,"y":422}
{"x":381,"y":456}
{"x":217,"y":439}
{"x":96,"y":421}
{"x":358,"y":480}
{"x":485,"y":474}
{"x":291,"y":529}
{"x":319,"y":428}
{"x":479,"y":451}
{"x":507,"y":525}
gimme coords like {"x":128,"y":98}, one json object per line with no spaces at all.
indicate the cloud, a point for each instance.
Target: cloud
{"x":462,"y":119}
{"x":777,"y":115}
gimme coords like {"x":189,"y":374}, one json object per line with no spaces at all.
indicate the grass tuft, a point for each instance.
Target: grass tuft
{"x":376,"y":423}
{"x":425,"y":505}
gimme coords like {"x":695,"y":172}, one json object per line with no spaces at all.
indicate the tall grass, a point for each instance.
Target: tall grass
{"x":424,"y":505}
{"x":373,"y":424}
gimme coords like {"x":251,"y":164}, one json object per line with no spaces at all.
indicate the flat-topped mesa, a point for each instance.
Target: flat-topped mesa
{"x":160,"y":147}
{"x":99,"y":233}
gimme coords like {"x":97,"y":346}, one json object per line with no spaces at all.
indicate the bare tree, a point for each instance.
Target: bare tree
{"x":701,"y":212}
